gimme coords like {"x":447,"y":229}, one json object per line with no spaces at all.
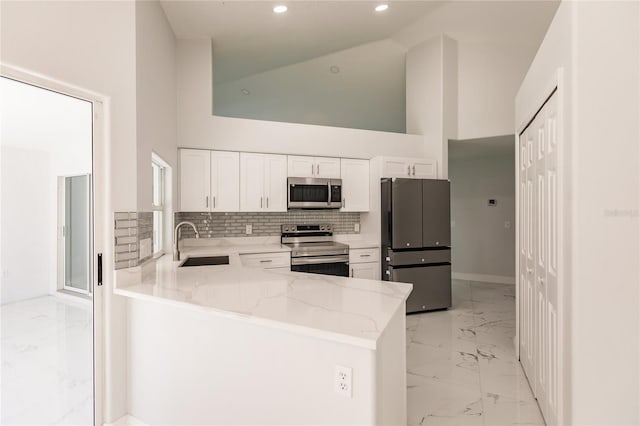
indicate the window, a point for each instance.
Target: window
{"x":158,"y":167}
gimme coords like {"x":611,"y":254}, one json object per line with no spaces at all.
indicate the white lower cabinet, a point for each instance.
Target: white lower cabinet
{"x":364,"y":263}
{"x":278,"y":260}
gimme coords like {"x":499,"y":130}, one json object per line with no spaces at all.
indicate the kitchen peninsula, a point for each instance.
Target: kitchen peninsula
{"x":210,"y":338}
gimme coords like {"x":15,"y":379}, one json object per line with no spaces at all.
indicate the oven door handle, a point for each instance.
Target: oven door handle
{"x":319,"y":260}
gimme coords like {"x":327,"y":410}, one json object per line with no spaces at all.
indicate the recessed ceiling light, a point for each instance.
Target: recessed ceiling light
{"x":245,"y":92}
{"x":280,"y":9}
{"x":382,"y":7}
{"x":334,"y":69}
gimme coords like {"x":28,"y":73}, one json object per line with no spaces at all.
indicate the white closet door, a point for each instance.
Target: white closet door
{"x":523,"y":243}
{"x":550,"y":404}
{"x":540,"y":256}
{"x":529,"y":327}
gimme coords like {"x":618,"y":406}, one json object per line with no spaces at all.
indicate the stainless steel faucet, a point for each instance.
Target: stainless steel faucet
{"x":176,"y":233}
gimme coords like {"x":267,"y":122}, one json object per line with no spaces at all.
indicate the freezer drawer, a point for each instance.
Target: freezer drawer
{"x":419,"y":257}
{"x":431,"y":286}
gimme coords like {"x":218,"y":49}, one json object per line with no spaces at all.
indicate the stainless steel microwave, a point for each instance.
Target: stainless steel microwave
{"x":314,"y":193}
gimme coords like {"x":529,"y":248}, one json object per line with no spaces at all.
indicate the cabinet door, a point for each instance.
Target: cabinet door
{"x":355,"y":185}
{"x":298,"y":166}
{"x":328,"y":167}
{"x":195,"y":180}
{"x":275,"y":183}
{"x":367,"y":271}
{"x":436,"y":213}
{"x":252,"y":172}
{"x":225,"y":181}
{"x":395,"y":167}
{"x":424,"y":169}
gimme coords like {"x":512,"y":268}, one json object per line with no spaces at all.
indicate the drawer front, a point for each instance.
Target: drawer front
{"x":266,"y":260}
{"x":419,"y":257}
{"x":364,"y":255}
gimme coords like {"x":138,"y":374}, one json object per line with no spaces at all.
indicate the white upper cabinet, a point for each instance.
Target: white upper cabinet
{"x":320,"y":167}
{"x":225,"y":181}
{"x":195,"y":180}
{"x":416,"y":168}
{"x":263,"y":182}
{"x":209,"y":181}
{"x":355,"y":185}
{"x":275,"y":181}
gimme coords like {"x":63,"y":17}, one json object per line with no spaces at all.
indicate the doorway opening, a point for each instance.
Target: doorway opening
{"x":46,"y":255}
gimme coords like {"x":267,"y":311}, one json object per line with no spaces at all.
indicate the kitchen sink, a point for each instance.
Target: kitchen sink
{"x":206,"y":261}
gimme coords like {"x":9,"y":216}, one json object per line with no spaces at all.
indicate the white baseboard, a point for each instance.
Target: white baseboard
{"x":126,"y":420}
{"x":498,"y":279}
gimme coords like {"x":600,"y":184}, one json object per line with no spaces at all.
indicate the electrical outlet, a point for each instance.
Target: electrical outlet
{"x":248,"y":229}
{"x":344,"y":381}
{"x":356,"y":227}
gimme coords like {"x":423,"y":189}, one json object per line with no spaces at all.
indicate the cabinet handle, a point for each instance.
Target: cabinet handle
{"x":312,"y":169}
{"x":344,"y":203}
{"x":260,"y":202}
{"x":318,"y":169}
{"x":414,"y":169}
{"x":351,"y":272}
{"x":267,"y":202}
{"x":408,"y":170}
{"x":206,"y":201}
{"x":214,"y":201}
{"x":266,"y":261}
{"x":365,"y":255}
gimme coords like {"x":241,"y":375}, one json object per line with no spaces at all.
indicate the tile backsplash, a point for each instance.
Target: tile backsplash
{"x":130,"y":229}
{"x":216,"y":225}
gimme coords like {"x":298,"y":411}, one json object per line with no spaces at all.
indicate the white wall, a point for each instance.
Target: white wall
{"x":155,"y":95}
{"x":198,"y":128}
{"x":28,"y":262}
{"x":90,"y":45}
{"x":489,"y":75}
{"x":597,"y":44}
{"x":432,"y":91}
{"x":493,"y":44}
{"x":481,"y":245}
{"x":368,"y":92}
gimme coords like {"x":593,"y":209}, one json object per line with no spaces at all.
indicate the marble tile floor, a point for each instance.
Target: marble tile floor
{"x":461,"y":363}
{"x":47,"y":362}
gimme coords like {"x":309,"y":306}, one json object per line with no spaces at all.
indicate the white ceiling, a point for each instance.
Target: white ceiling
{"x":248,"y":38}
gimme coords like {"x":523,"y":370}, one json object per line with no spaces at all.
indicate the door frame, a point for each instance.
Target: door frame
{"x":100,"y":206}
{"x":558,"y":82}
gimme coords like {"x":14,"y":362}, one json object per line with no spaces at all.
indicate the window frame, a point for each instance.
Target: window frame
{"x":158,"y":238}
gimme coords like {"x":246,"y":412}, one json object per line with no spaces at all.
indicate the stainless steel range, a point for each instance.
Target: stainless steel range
{"x":313,"y":250}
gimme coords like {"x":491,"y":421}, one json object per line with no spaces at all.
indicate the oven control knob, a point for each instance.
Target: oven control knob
{"x":322,"y":228}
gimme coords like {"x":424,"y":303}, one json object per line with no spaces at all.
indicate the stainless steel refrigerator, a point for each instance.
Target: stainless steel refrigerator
{"x":416,"y":239}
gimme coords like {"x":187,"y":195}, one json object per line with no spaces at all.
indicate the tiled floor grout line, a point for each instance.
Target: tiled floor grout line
{"x":475,"y":338}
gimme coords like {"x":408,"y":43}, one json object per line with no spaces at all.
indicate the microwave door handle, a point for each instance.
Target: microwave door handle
{"x":328,"y":192}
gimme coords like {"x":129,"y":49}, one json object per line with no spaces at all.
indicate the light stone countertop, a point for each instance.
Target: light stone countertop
{"x":346,"y":310}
